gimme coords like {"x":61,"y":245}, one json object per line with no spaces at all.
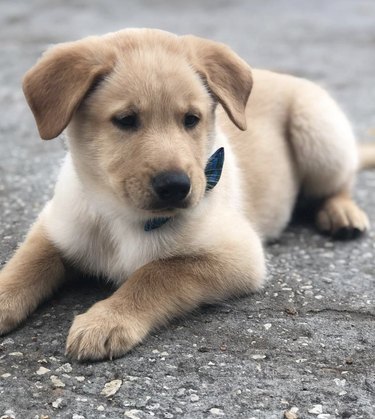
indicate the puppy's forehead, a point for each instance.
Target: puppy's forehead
{"x":156,"y":72}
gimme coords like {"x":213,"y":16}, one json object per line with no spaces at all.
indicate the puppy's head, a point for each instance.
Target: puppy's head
{"x":140,"y":108}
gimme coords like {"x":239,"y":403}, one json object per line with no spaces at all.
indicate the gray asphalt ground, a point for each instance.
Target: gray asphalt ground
{"x":306,"y":342}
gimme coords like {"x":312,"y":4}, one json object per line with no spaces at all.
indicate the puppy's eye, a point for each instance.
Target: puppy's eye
{"x":190,"y":120}
{"x":128,"y":122}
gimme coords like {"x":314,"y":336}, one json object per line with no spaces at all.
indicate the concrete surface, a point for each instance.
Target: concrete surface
{"x":307,"y":341}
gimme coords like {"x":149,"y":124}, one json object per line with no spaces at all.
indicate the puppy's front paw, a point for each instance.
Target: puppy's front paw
{"x":12,"y":310}
{"x":103,"y":333}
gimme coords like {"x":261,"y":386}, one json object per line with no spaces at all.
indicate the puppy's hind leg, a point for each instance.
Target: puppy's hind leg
{"x":326,"y":155}
{"x":341,"y":217}
{"x":29,"y":277}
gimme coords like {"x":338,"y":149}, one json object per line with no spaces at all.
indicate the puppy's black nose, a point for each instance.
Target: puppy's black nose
{"x":171,"y":187}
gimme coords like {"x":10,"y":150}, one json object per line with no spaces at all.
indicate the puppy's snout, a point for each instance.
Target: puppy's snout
{"x":171,"y":187}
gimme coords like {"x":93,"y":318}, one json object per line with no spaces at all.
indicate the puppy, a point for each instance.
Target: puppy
{"x":173,"y":179}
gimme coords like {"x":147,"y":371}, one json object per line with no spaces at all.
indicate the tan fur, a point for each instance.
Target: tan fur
{"x":338,"y":212}
{"x":297,"y":141}
{"x":54,"y":91}
{"x":34,"y":272}
{"x":160,"y":143}
{"x":367,"y":156}
{"x":313,"y":142}
{"x":226,"y":74}
{"x":154,"y":294}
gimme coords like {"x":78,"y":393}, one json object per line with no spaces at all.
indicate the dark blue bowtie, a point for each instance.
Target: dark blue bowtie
{"x":212,"y":171}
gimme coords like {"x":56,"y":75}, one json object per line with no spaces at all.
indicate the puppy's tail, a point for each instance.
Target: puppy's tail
{"x":366,"y":156}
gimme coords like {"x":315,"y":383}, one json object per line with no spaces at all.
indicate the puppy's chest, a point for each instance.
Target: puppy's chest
{"x":115,"y":250}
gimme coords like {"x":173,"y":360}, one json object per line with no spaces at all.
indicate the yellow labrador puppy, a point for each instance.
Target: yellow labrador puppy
{"x":172,"y":180}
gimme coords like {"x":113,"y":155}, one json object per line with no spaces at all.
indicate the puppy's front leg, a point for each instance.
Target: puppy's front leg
{"x":157,"y":292}
{"x":28,"y":278}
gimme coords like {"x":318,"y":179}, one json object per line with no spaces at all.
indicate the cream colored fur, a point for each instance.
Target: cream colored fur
{"x":79,"y":225}
{"x":297,"y":141}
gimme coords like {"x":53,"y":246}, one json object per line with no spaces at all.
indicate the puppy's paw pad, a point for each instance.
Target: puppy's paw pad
{"x":342,"y":219}
{"x":96,"y":336}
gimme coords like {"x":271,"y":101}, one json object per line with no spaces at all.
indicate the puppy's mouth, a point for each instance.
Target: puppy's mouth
{"x":160,"y":208}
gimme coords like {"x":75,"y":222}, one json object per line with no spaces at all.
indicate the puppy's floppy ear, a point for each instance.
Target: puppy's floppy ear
{"x":58,"y":82}
{"x":227,"y":75}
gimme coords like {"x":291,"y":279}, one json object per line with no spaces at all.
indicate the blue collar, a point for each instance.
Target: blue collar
{"x":212,"y":171}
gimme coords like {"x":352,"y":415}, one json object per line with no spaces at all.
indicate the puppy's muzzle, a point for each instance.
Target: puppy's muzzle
{"x":171,"y":188}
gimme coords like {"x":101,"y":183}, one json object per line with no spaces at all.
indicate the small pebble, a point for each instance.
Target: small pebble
{"x":340,"y":383}
{"x":258,"y":356}
{"x":288,"y":414}
{"x":194,"y":398}
{"x":181,"y":391}
{"x":342,"y":393}
{"x":217,"y":412}
{"x":316,"y":410}
{"x":7,"y":341}
{"x":57,"y":403}
{"x":100,"y":408}
{"x":42,"y":371}
{"x":291,"y":311}
{"x":19,"y":354}
{"x":80,"y":378}
{"x":268,"y":326}
{"x":153,"y":406}
{"x":133,"y":413}
{"x":111,"y":388}
{"x":65,"y":368}
{"x":291,"y":413}
{"x":6,"y":375}
{"x":57,"y":383}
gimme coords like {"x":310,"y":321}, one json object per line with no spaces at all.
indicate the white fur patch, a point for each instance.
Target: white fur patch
{"x":102,"y":237}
